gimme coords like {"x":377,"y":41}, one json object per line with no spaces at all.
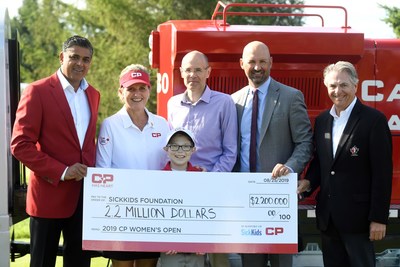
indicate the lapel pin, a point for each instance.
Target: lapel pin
{"x":354,"y":151}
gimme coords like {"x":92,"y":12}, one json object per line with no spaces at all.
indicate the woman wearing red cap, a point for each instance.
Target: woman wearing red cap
{"x":133,"y":138}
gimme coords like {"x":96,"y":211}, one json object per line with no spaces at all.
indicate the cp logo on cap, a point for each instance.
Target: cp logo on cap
{"x":136,"y":74}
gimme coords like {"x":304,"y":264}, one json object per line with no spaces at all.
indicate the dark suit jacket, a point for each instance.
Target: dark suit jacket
{"x":286,"y":135}
{"x":355,"y":186}
{"x":45,"y":140}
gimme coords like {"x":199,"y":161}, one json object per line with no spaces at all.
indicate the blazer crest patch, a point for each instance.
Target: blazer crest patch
{"x":354,"y":151}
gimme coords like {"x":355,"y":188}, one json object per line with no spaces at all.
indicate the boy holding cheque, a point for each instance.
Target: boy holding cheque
{"x":180,"y":147}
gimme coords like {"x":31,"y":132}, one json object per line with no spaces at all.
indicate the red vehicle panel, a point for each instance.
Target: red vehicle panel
{"x":299,"y":57}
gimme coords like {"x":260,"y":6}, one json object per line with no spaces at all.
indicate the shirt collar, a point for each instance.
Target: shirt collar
{"x":263,"y":89}
{"x":344,"y":113}
{"x":65,"y":84}
{"x":205,"y":97}
{"x":127,"y":122}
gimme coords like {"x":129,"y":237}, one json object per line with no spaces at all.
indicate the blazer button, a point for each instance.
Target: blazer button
{"x":332,"y":172}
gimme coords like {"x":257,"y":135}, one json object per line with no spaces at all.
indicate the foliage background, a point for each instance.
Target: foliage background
{"x":119,"y":31}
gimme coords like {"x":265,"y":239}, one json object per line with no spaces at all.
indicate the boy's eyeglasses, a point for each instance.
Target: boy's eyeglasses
{"x":183,"y":147}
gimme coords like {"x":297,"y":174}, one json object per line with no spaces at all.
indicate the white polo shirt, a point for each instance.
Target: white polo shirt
{"x":122,"y":145}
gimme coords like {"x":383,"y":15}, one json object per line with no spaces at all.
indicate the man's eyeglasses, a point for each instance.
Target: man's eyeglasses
{"x":183,"y":147}
{"x":196,"y":71}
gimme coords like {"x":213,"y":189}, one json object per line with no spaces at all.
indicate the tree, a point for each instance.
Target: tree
{"x":42,"y":29}
{"x":267,"y":20}
{"x":393,"y":18}
{"x":118,"y":30}
{"x":122,"y":33}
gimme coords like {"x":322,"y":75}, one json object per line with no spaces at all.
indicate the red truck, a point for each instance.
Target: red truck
{"x":300,"y":54}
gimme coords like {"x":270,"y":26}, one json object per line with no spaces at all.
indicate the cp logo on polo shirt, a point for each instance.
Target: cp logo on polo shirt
{"x":104,"y":140}
{"x":155,"y":135}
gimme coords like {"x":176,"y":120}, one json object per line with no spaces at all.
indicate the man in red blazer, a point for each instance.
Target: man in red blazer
{"x":352,"y":166}
{"x":54,"y":136}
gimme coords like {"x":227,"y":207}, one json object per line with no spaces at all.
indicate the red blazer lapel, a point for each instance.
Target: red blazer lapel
{"x":59,"y":97}
{"x":93,"y":98}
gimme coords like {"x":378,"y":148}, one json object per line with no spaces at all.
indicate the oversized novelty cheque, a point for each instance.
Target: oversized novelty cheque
{"x":138,"y":210}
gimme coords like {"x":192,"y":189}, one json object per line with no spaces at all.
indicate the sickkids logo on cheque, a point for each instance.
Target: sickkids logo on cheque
{"x":251,"y":232}
{"x":102,"y":180}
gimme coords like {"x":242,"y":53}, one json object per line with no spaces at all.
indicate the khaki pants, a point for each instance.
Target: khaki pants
{"x":219,"y":260}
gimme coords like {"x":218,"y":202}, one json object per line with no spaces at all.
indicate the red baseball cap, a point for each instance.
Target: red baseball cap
{"x":134,"y":76}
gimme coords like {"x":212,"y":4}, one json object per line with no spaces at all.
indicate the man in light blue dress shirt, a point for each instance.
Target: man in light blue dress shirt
{"x":211,"y":116}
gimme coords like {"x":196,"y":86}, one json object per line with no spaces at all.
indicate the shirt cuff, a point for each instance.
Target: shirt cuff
{"x":290,"y":169}
{"x":63,"y":175}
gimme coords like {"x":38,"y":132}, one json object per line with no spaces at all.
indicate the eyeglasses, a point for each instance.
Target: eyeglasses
{"x":176,"y":147}
{"x":196,"y":71}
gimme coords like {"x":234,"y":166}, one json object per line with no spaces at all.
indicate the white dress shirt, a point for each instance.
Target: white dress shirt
{"x":339,"y":123}
{"x":78,"y":104}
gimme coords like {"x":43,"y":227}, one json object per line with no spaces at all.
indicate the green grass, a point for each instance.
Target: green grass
{"x":21,"y":229}
{"x":21,"y":233}
{"x":24,"y":261}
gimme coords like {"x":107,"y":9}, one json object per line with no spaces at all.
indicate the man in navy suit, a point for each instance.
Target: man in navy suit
{"x":352,"y":166}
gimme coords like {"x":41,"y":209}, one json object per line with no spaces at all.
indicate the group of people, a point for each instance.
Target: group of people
{"x":263,"y":127}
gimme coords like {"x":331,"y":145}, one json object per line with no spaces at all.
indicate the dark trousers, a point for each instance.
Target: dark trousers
{"x":254,"y":260}
{"x":346,"y":249}
{"x":45,"y":237}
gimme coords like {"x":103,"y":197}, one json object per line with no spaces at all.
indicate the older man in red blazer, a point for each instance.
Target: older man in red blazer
{"x":54,"y":136}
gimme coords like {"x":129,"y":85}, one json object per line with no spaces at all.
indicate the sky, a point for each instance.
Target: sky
{"x":363,"y":15}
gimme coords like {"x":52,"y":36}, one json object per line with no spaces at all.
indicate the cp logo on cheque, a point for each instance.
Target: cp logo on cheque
{"x":98,"y":178}
{"x":274,"y":230}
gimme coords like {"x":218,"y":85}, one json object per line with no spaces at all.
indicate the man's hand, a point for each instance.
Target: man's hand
{"x":303,"y":186}
{"x":377,"y":231}
{"x":171,"y":252}
{"x":280,"y":170}
{"x":76,"y":172}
